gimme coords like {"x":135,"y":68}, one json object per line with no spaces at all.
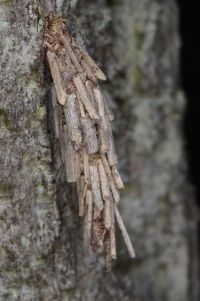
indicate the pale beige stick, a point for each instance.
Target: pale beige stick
{"x":107,"y":214}
{"x":106,"y":166}
{"x":113,"y":252}
{"x":81,"y":107}
{"x":86,"y":166}
{"x":117,"y":178}
{"x":70,"y":158}
{"x":105,"y":189}
{"x":57,"y":78}
{"x":88,"y":219}
{"x":78,"y":164}
{"x":96,"y":189}
{"x":80,"y":189}
{"x":89,"y":135}
{"x":81,"y":185}
{"x":114,"y":190}
{"x":103,"y":180}
{"x":103,"y":130}
{"x":70,"y":52}
{"x":97,"y":213}
{"x":99,"y":101}
{"x":88,"y":70}
{"x":82,"y":197}
{"x":84,"y":96}
{"x":73,"y":121}
{"x":89,"y":204}
{"x":95,"y":69}
{"x":78,"y":170}
{"x":108,"y":110}
{"x":89,"y":86}
{"x":124,"y":233}
{"x":111,"y":153}
{"x":103,"y":135}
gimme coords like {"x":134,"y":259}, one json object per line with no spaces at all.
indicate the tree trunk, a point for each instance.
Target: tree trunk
{"x":41,"y":251}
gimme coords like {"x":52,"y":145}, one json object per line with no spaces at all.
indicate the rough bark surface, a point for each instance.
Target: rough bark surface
{"x":41,"y":251}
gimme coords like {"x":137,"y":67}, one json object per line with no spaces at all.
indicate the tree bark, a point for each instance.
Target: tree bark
{"x":42,"y":256}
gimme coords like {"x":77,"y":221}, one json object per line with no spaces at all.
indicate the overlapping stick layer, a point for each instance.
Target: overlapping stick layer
{"x":90,"y":154}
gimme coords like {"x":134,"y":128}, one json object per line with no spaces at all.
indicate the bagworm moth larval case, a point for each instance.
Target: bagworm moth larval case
{"x":89,"y":149}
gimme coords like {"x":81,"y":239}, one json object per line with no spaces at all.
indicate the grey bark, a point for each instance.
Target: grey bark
{"x":42,"y":256}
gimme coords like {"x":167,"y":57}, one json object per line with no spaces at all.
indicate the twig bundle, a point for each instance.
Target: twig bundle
{"x":89,"y":149}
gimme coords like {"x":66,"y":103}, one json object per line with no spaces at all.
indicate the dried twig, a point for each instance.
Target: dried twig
{"x":89,"y":135}
{"x":124,"y":233}
{"x":70,"y":158}
{"x":57,"y":78}
{"x":88,"y":219}
{"x":96,"y":190}
{"x":84,"y":96}
{"x":113,"y":252}
{"x":116,"y":176}
{"x":72,"y":120}
{"x":105,"y":188}
{"x":94,"y":68}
